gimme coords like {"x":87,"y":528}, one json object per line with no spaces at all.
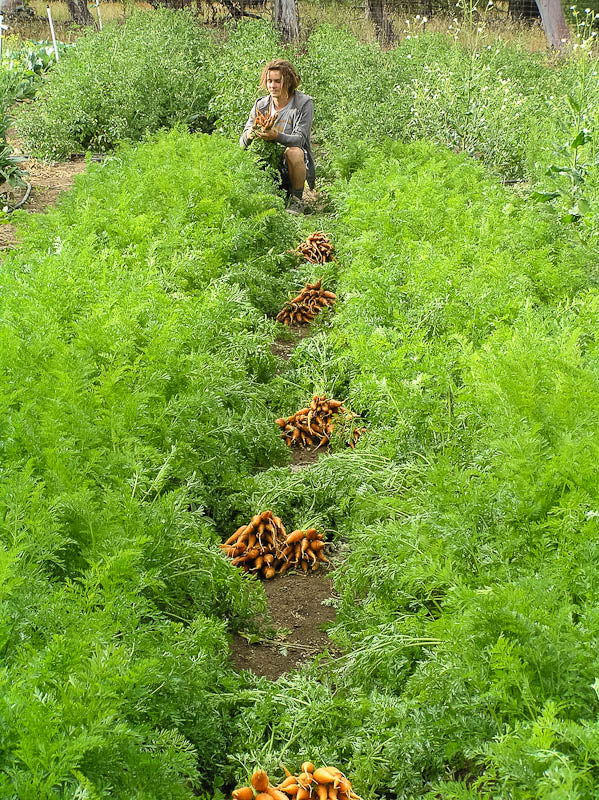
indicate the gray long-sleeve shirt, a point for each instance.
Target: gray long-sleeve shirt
{"x":296,"y":120}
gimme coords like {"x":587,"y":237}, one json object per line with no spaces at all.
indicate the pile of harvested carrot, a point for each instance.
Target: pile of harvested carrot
{"x":303,"y":549}
{"x":324,"y":783}
{"x":313,"y":427}
{"x":256,"y":547}
{"x":316,"y":248}
{"x":264,"y":547}
{"x":306,"y":305}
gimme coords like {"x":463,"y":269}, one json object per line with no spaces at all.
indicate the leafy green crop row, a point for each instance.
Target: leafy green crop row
{"x":466,"y":336}
{"x":134,"y":396}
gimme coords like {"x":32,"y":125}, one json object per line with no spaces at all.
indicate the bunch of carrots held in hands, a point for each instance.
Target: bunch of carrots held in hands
{"x":263,"y":122}
{"x":306,"y":305}
{"x":324,"y":783}
{"x":263,"y":547}
{"x":313,"y":427}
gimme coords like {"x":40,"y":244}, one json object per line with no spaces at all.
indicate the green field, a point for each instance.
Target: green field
{"x":141,"y":378}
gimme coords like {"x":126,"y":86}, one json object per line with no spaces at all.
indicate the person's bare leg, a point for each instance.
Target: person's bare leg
{"x":297,"y":169}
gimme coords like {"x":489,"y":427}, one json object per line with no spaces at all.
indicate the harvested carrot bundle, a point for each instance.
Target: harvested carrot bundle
{"x":308,"y":303}
{"x":264,"y":122}
{"x":303,"y":550}
{"x":313,"y":427}
{"x":256,"y":546}
{"x":324,"y":783}
{"x":316,"y":248}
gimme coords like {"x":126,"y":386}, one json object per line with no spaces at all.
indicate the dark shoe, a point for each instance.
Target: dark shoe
{"x":295,"y":205}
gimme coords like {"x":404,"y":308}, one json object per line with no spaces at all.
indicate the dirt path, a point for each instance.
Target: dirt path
{"x":295,"y":602}
{"x":48,"y":181}
{"x":298,"y":604}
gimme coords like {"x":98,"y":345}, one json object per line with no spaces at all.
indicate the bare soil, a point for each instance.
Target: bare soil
{"x":295,"y":600}
{"x":302,"y":458}
{"x":295,"y":603}
{"x":48,"y":181}
{"x":283,"y":348}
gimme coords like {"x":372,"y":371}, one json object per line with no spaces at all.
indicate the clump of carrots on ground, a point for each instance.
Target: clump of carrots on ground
{"x":323,"y":783}
{"x":312,"y":427}
{"x":306,"y":305}
{"x":263,"y":547}
{"x":316,"y":248}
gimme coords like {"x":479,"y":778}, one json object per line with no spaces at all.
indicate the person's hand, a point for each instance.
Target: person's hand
{"x":268,"y":136}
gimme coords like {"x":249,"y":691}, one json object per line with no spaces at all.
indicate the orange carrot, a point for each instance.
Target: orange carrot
{"x":260,"y":780}
{"x":245,"y":793}
{"x":294,"y":537}
{"x":237,"y":533}
{"x":322,"y":791}
{"x":307,"y":766}
{"x":289,"y":781}
{"x":275,"y":793}
{"x":309,"y":553}
{"x":322,"y":775}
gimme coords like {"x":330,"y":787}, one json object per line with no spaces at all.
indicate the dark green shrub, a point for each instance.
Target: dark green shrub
{"x":152,"y":71}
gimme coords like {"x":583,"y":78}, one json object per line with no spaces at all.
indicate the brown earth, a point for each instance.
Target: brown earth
{"x":283,"y":348}
{"x":295,"y":602}
{"x":48,"y":181}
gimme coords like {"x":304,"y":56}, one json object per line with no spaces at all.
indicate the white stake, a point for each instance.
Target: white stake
{"x":99,"y":15}
{"x":3,"y":27}
{"x":52,"y":31}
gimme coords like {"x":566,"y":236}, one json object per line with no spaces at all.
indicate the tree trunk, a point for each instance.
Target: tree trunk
{"x":80,"y":12}
{"x":554,"y":23}
{"x":286,"y":19}
{"x":375,"y":10}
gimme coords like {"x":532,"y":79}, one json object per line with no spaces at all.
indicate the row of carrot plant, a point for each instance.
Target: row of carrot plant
{"x":135,"y":359}
{"x":466,"y":337}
